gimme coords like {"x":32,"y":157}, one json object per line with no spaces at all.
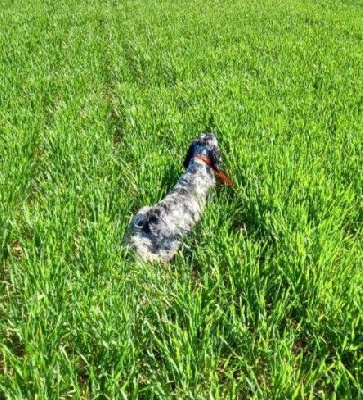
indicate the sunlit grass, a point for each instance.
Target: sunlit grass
{"x":99,"y":101}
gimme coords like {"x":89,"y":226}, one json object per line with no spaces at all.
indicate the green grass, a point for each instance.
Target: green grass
{"x":99,"y":101}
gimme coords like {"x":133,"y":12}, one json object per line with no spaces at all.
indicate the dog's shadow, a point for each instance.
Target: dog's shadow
{"x":169,"y":179}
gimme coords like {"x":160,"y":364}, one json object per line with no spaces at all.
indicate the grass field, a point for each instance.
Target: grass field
{"x":99,"y":101}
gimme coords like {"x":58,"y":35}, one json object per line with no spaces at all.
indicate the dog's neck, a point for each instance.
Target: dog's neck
{"x":217,"y":172}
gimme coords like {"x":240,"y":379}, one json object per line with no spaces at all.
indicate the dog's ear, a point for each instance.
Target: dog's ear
{"x":189,"y":156}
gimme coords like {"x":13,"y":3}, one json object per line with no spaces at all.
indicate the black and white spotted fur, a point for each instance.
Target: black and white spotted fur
{"x":156,"y":232}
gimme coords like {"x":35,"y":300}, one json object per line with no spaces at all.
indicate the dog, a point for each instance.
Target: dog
{"x":156,"y":232}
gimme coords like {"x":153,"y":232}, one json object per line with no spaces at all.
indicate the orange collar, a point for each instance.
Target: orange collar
{"x":217,"y":172}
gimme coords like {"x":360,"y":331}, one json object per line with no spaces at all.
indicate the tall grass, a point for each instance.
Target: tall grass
{"x":98,"y":103}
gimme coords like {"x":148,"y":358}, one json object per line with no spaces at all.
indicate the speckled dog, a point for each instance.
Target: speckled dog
{"x":156,"y":232}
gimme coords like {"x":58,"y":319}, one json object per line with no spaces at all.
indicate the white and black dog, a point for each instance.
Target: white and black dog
{"x":155,"y":233}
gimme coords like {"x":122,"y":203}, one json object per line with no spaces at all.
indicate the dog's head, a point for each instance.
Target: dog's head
{"x":207,"y":145}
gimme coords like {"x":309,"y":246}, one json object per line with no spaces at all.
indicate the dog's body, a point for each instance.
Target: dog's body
{"x":156,"y":232}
